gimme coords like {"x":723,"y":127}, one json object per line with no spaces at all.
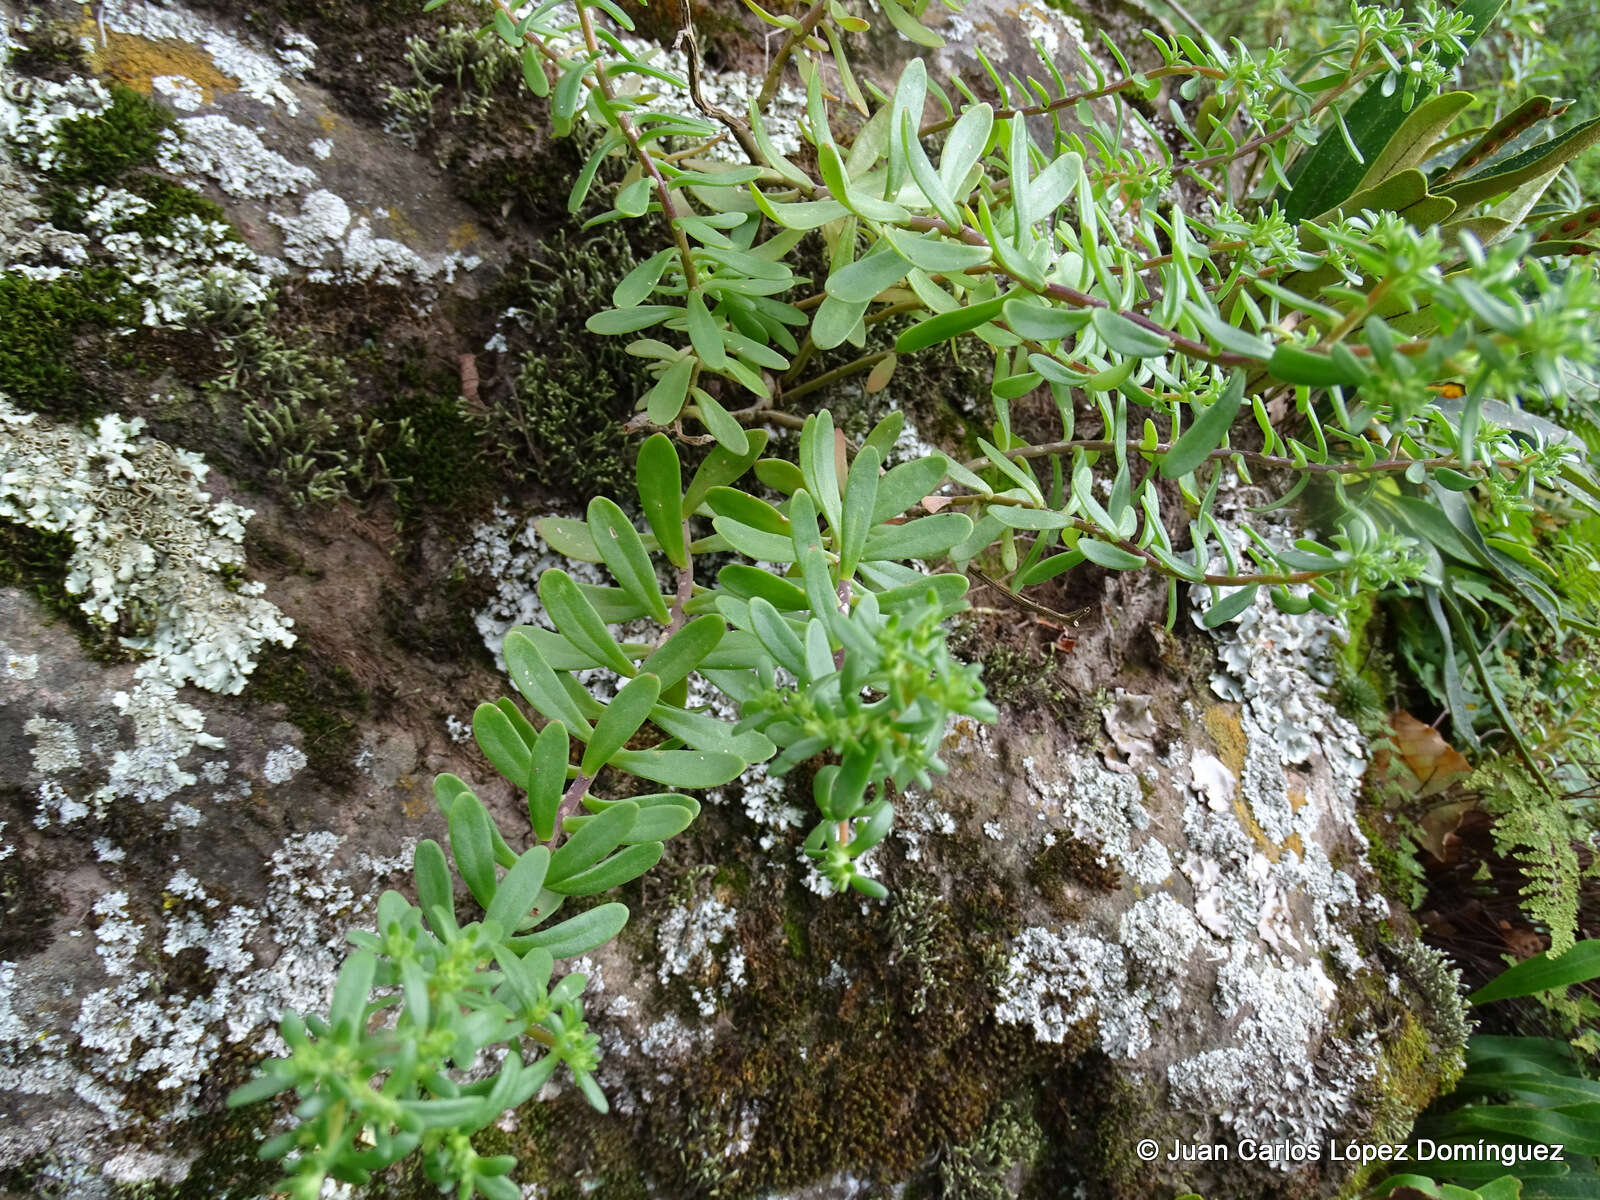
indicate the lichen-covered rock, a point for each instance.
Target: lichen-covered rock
{"x":1136,"y":908}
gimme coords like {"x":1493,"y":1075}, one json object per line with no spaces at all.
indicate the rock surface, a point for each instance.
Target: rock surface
{"x":1137,"y":908}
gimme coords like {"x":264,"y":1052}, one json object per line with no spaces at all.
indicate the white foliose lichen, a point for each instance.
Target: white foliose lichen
{"x":509,"y":550}
{"x":1254,"y":890}
{"x":141,"y":1030}
{"x":151,"y":549}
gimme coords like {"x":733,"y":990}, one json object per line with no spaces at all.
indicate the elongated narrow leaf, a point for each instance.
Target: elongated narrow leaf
{"x":549,"y":778}
{"x":906,"y":485}
{"x":705,"y":333}
{"x":578,"y":622}
{"x":577,"y":935}
{"x":568,"y":537}
{"x":722,"y":466}
{"x":944,"y":326}
{"x":747,"y":582}
{"x":621,"y":720}
{"x":1545,"y":158}
{"x":874,"y":272}
{"x":1229,"y":607}
{"x":514,"y":898}
{"x":620,"y":868}
{"x":539,"y":684}
{"x":681,"y":768}
{"x":754,"y":543}
{"x":965,"y":146}
{"x":701,"y":731}
{"x":934,"y":254}
{"x":472,"y":845}
{"x":664,"y":401}
{"x":591,"y":843}
{"x":1542,"y":973}
{"x":660,"y":477}
{"x":1207,"y":433}
{"x":926,"y":538}
{"x":1123,"y":335}
{"x":638,"y":283}
{"x":923,"y":175}
{"x":685,"y":650}
{"x":1414,"y":140}
{"x":860,"y":496}
{"x":349,"y":1007}
{"x":432,"y":873}
{"x":625,"y":557}
{"x":1113,"y":558}
{"x":502,"y":745}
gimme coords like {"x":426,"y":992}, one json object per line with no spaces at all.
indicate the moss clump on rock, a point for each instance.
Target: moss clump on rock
{"x":41,"y":323}
{"x":561,"y":426}
{"x":101,"y":147}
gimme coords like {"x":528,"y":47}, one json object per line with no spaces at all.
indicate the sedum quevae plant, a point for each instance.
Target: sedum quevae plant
{"x":1310,"y":280}
{"x":844,"y":655}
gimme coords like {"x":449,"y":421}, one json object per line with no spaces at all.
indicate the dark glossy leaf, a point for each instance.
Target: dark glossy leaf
{"x":1541,"y":973}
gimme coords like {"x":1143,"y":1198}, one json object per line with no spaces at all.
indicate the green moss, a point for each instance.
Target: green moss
{"x":561,"y":424}
{"x":168,"y":201}
{"x":439,"y":463}
{"x":1075,"y":860}
{"x":40,"y":324}
{"x":100,"y":148}
{"x":1017,"y":677}
{"x":322,"y":700}
{"x":37,"y":561}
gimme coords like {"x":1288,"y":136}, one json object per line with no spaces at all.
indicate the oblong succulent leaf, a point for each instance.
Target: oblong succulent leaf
{"x":472,"y":845}
{"x":548,"y":778}
{"x":576,"y":935}
{"x":620,"y":868}
{"x":620,"y":721}
{"x":623,"y":552}
{"x":514,"y":897}
{"x":502,"y":745}
{"x":578,"y":622}
{"x":540,"y":686}
{"x":591,"y":843}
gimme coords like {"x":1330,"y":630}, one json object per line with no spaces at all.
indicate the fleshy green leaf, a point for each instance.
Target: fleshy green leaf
{"x":660,"y":476}
{"x":578,"y":622}
{"x":625,"y":557}
{"x":619,"y":722}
